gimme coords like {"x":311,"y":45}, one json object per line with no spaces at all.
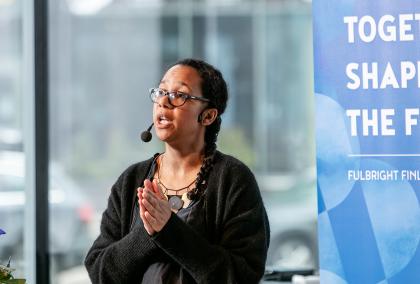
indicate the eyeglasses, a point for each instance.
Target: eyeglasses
{"x":175,"y":99}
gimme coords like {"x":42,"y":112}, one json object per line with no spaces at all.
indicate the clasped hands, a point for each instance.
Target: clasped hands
{"x":155,"y":210}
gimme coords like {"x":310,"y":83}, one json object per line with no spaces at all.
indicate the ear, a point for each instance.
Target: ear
{"x":208,"y":116}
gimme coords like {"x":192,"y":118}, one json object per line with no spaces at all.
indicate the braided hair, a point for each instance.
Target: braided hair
{"x":214,"y":88}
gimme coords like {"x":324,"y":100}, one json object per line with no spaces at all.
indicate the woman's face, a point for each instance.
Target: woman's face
{"x":179,"y":123}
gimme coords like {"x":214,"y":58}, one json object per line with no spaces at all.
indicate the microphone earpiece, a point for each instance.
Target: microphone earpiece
{"x":146,"y":135}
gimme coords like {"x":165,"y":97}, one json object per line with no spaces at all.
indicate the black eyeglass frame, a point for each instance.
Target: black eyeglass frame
{"x":173,"y":95}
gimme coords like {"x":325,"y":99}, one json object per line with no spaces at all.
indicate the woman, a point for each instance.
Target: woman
{"x":190,"y":214}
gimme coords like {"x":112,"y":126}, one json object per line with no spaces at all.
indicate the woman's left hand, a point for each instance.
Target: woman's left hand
{"x":158,"y":210}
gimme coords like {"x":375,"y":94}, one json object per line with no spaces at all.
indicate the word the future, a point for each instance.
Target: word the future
{"x":379,"y":76}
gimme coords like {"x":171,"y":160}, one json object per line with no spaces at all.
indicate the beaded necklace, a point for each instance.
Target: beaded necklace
{"x":175,"y":201}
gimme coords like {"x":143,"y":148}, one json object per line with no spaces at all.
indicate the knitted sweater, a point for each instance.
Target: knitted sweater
{"x":224,"y":239}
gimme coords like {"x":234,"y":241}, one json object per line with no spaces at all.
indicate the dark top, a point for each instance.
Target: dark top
{"x":163,"y":272}
{"x":221,"y":238}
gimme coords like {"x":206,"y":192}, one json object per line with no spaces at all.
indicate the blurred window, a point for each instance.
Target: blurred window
{"x":10,"y":183}
{"x":105,"y":57}
{"x":12,"y":196}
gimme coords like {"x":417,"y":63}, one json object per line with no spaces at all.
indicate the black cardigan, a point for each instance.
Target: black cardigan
{"x":224,"y":241}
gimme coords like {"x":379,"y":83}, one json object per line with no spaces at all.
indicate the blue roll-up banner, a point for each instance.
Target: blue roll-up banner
{"x":367,"y":90}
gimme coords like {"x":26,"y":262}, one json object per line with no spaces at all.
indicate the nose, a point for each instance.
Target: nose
{"x":163,"y":101}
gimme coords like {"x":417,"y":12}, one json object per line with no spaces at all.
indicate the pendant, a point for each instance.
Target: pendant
{"x":176,"y":203}
{"x":186,"y":200}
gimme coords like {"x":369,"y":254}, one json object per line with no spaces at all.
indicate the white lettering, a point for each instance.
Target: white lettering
{"x":370,"y":75}
{"x":370,"y":122}
{"x":366,"y":28}
{"x":350,"y":21}
{"x":389,"y":78}
{"x":388,"y":33}
{"x":367,"y":37}
{"x":353,"y":114}
{"x":386,"y":123}
{"x":352,"y":76}
{"x":409,"y":120}
{"x":404,"y":28}
{"x":408,"y":71}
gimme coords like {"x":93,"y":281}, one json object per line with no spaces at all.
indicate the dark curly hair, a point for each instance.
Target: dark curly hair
{"x":214,"y":88}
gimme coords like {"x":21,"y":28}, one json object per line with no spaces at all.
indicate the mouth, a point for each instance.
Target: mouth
{"x":163,"y":120}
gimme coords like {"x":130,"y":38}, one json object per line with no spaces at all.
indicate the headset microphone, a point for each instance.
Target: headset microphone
{"x":200,"y":117}
{"x":146,"y":135}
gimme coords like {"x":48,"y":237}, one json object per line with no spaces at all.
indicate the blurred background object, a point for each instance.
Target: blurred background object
{"x":71,"y":213}
{"x":103,"y":57}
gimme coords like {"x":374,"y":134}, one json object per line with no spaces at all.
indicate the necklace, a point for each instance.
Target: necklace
{"x":175,"y":201}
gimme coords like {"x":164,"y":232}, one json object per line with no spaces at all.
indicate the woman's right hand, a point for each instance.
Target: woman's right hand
{"x":154,"y":208}
{"x":146,"y":224}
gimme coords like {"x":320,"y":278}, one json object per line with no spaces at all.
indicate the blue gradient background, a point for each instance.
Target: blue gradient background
{"x":369,"y":232}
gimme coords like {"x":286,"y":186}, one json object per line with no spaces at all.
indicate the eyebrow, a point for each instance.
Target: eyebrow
{"x":179,"y":82}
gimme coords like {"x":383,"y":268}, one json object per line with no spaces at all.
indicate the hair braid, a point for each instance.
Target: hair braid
{"x":214,"y":88}
{"x":200,"y":184}
{"x":210,"y":149}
